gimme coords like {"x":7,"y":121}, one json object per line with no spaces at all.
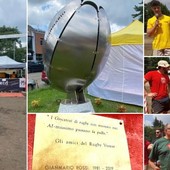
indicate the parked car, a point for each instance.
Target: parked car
{"x":44,"y":77}
{"x":35,"y":66}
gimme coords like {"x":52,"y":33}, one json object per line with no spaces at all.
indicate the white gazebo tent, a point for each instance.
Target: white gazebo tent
{"x":122,"y":76}
{"x":8,"y":63}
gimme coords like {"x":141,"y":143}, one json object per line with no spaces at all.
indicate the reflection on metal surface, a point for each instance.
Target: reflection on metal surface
{"x":75,"y":44}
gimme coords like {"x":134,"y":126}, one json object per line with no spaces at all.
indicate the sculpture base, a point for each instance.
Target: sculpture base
{"x":86,"y":107}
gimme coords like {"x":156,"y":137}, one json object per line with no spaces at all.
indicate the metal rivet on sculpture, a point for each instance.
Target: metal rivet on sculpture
{"x":75,"y":44}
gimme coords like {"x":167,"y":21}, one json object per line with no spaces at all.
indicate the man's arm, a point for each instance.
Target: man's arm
{"x":149,"y":96}
{"x":169,"y":89}
{"x":146,"y":86}
{"x":147,"y":89}
{"x":152,"y":31}
{"x":150,"y":146}
{"x":152,"y":164}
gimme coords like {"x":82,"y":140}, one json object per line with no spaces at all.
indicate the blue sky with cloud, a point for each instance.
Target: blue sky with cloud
{"x":149,"y":119}
{"x":13,"y":14}
{"x":40,"y":12}
{"x":119,"y":12}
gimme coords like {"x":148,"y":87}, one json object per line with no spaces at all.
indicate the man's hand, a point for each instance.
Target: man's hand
{"x":152,"y":95}
{"x":156,"y":168}
{"x":152,"y":31}
{"x":156,"y":23}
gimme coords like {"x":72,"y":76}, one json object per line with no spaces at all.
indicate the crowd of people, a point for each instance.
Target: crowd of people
{"x":157,"y":152}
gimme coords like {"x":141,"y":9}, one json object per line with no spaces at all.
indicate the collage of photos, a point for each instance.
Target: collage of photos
{"x":85,"y":85}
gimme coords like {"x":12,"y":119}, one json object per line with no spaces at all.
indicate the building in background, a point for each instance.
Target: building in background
{"x":35,"y":44}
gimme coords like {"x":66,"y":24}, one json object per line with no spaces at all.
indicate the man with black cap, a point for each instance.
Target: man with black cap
{"x":159,"y":87}
{"x":159,"y":27}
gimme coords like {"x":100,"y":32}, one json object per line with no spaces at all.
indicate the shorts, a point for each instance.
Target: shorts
{"x":163,"y":52}
{"x":161,"y":106}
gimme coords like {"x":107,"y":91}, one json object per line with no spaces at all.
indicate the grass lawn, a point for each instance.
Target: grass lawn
{"x":47,"y":100}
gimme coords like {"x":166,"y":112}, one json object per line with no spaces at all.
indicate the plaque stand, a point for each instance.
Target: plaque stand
{"x":76,"y":108}
{"x":76,"y":103}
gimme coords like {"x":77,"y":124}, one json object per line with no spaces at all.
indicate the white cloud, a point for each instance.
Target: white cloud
{"x":13,"y":14}
{"x":149,"y":119}
{"x":148,"y":123}
{"x":164,"y":118}
{"x":115,"y":28}
{"x":41,"y":14}
{"x":119,"y":12}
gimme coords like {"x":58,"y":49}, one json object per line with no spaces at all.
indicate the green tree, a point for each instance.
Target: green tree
{"x":150,"y":63}
{"x":149,"y":133}
{"x":157,"y":123}
{"x":20,"y":54}
{"x":9,"y":46}
{"x":150,"y":130}
{"x":139,"y":10}
{"x":148,"y":13}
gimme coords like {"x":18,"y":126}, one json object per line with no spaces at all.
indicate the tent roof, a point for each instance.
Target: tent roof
{"x":132,"y":34}
{"x":7,"y":62}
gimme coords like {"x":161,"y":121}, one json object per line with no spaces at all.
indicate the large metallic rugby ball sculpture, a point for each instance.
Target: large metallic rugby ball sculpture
{"x":75,"y":45}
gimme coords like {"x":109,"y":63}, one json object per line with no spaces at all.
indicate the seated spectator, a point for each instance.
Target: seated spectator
{"x":13,"y":75}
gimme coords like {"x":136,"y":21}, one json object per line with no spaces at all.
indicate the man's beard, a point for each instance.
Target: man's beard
{"x":165,"y":71}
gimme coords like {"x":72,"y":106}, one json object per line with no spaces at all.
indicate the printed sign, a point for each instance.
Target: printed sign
{"x":79,"y":142}
{"x":22,"y":82}
{"x":11,"y":85}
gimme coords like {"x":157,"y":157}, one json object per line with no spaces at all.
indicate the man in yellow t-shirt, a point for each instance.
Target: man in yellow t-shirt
{"x":159,"y":27}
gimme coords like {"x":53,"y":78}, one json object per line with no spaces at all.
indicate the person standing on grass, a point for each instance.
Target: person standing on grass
{"x":158,"y":27}
{"x":159,"y":87}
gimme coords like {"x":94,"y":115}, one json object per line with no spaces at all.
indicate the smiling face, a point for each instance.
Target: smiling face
{"x":158,"y":133}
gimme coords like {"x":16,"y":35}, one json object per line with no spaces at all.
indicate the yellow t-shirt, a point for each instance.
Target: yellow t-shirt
{"x":162,"y":35}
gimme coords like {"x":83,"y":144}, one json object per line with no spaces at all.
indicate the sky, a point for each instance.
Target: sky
{"x":119,"y":12}
{"x":148,"y":119}
{"x":13,"y":14}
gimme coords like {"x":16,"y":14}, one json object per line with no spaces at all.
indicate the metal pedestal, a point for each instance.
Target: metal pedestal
{"x":67,"y":107}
